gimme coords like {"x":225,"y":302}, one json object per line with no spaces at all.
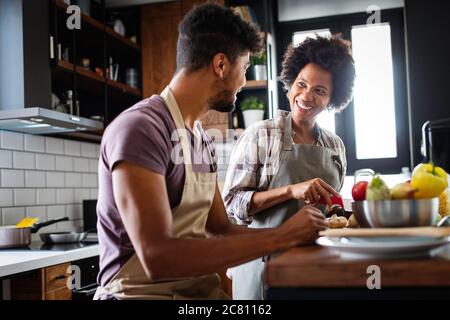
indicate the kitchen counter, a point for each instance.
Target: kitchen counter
{"x":14,"y":261}
{"x":314,"y":272}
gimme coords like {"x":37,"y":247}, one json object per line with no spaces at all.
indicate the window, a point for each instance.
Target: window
{"x":374,"y":127}
{"x":375,"y":131}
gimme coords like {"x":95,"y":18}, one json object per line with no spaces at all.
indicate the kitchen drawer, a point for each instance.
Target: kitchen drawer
{"x":56,"y":277}
{"x":60,"y":294}
{"x":48,"y":283}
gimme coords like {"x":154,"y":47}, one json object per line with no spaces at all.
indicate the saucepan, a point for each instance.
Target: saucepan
{"x":14,"y":237}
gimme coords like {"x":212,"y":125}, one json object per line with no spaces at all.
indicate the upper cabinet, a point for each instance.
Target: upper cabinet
{"x":159,"y":29}
{"x":98,"y":66}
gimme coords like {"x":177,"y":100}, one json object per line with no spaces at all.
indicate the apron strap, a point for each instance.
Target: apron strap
{"x":174,"y":109}
{"x":287,"y":140}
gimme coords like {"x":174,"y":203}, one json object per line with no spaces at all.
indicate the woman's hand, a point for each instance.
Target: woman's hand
{"x":313,"y":191}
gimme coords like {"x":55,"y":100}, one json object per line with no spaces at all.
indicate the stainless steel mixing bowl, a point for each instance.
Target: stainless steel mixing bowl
{"x":396,"y":213}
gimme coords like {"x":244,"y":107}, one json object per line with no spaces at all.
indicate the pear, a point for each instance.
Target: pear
{"x":377,"y":190}
{"x":402,"y":190}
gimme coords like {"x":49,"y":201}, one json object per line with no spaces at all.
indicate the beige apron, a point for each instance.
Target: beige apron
{"x":189,"y":219}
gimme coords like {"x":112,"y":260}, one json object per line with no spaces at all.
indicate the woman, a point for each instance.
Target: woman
{"x":280,"y":164}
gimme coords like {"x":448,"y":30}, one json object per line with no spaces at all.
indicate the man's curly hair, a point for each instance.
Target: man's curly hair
{"x":330,"y":53}
{"x":209,"y":29}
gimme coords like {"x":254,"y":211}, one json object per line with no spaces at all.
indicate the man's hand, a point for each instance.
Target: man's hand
{"x":303,"y":227}
{"x":313,"y":191}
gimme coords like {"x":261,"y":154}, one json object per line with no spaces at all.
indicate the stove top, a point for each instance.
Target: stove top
{"x":40,"y":246}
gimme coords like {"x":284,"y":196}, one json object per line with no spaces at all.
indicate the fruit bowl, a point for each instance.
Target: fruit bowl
{"x":396,"y":213}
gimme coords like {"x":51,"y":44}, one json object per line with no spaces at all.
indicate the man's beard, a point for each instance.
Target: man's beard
{"x":224,"y":100}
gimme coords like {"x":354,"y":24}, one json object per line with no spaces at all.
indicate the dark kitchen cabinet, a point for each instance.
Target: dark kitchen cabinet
{"x":95,"y":61}
{"x":49,"y":283}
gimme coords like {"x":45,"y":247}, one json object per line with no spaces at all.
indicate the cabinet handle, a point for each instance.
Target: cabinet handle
{"x":60,"y":277}
{"x":52,"y":48}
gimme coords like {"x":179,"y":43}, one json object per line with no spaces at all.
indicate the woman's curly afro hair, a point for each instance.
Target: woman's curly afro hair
{"x":330,"y":53}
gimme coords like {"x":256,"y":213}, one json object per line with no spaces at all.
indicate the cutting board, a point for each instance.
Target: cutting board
{"x":388,"y":232}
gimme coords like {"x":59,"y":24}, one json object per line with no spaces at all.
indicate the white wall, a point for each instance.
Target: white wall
{"x":46,"y":178}
{"x":306,"y":9}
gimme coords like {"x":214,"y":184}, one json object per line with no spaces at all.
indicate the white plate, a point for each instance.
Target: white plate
{"x":383,"y":247}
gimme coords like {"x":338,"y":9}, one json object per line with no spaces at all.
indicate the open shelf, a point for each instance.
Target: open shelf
{"x":122,"y":39}
{"x":65,"y":65}
{"x":255,"y":84}
{"x":90,"y":76}
{"x":124,"y":87}
{"x":84,"y":17}
{"x":100,"y":26}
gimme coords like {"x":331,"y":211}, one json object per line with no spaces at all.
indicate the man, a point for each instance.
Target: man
{"x":163,"y":229}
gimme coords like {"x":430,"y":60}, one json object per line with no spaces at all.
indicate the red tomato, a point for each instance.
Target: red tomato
{"x":337,"y":200}
{"x":359,"y":191}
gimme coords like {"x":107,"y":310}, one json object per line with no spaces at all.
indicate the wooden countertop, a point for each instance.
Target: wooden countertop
{"x":319,"y":267}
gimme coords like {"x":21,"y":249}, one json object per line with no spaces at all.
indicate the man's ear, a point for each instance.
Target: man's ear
{"x":220,"y":65}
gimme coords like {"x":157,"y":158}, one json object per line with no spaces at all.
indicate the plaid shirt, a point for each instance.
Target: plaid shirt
{"x":255,"y":159}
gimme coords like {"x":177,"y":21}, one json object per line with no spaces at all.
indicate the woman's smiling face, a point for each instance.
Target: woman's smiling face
{"x":310,"y":93}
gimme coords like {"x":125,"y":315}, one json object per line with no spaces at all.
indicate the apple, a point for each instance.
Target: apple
{"x":359,"y":190}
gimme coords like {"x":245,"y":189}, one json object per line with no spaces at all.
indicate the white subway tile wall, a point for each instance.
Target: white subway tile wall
{"x":12,"y":178}
{"x":64,"y":163}
{"x":24,"y":160}
{"x":34,"y":143}
{"x":11,"y":140}
{"x":34,"y":179}
{"x":24,"y":197}
{"x":53,"y":145}
{"x":45,"y":162}
{"x":46,"y":178}
{"x":72,"y":148}
{"x":5,"y":159}
{"x":55,"y":212}
{"x":13,"y":215}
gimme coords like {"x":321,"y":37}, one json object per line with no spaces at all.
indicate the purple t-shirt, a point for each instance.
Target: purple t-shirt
{"x":142,"y":134}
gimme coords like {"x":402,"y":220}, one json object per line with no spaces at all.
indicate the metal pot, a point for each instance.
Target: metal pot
{"x":13,"y":237}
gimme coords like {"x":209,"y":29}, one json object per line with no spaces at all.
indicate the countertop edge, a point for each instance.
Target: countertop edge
{"x":44,"y":260}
